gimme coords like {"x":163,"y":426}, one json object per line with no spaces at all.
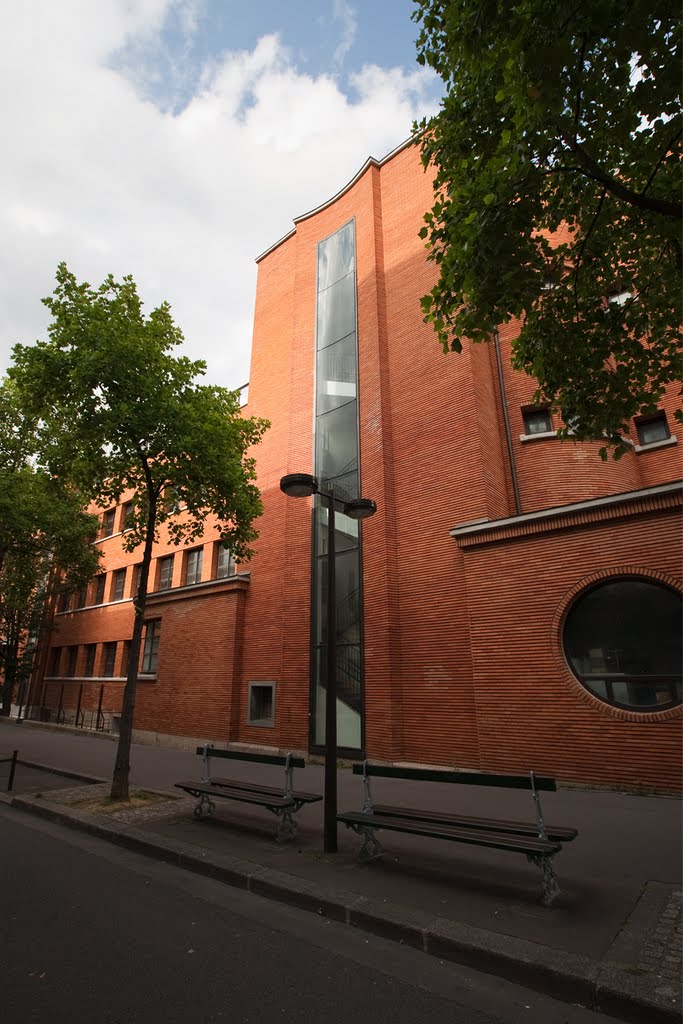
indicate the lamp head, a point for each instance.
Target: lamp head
{"x":360,"y":508}
{"x":299,"y":485}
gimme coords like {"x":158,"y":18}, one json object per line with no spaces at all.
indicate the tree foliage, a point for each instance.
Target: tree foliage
{"x":46,"y":541}
{"x":557,"y":154}
{"x":120,"y":412}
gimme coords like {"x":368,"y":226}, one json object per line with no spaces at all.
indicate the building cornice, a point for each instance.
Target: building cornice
{"x":197,"y":590}
{"x":370,"y":162}
{"x":562,"y":517}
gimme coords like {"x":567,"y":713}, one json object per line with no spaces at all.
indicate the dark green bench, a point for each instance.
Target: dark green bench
{"x":283,"y":802}
{"x":538,"y":841}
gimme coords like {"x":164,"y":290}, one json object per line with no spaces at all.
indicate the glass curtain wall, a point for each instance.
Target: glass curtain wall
{"x":336,"y":466}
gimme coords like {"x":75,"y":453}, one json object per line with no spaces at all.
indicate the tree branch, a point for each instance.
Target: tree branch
{"x":592,"y":169}
{"x":666,"y":149}
{"x":582,"y":247}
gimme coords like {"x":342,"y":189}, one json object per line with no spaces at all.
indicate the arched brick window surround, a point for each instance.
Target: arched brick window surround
{"x":557,"y":640}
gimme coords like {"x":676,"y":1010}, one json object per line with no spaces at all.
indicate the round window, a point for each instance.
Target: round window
{"x":623,"y":642}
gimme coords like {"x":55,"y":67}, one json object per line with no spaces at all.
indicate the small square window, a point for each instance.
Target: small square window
{"x":98,"y":595}
{"x":225,"y":563}
{"x":118,"y":587}
{"x":109,"y":658}
{"x":653,"y":429}
{"x":193,"y":566}
{"x":165,"y":573}
{"x":537,"y":421}
{"x":261,"y":704}
{"x":619,"y":297}
{"x":108,"y":523}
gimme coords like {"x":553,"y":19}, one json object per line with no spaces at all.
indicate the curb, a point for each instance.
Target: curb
{"x":603,"y":986}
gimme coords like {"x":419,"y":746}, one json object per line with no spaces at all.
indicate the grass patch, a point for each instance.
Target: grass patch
{"x":105,"y":805}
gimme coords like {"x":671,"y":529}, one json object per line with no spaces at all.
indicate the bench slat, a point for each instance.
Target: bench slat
{"x":521,"y":828}
{"x":239,"y":755}
{"x":276,"y":791}
{"x":248,"y":796}
{"x":541,"y":782}
{"x":473,"y":837}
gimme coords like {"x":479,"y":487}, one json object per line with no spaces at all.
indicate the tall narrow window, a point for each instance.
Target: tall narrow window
{"x":108,"y":523}
{"x":193,"y":566}
{"x":165,"y":573}
{"x":109,"y":658}
{"x":126,"y":516}
{"x":336,"y":466}
{"x":118,"y":587}
{"x":81,"y":598}
{"x":90,"y":651}
{"x":55,"y":660}
{"x":225,"y":563}
{"x":98,"y":593}
{"x":151,"y":649}
{"x":71,"y":658}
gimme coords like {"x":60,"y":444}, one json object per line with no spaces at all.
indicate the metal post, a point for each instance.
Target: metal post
{"x":98,"y":727}
{"x":330,"y":815}
{"x":78,"y":708}
{"x":12,"y":769}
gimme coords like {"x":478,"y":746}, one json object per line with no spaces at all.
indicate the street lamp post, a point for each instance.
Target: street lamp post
{"x":303,"y":485}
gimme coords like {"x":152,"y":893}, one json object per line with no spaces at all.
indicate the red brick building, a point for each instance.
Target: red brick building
{"x":514,"y":604}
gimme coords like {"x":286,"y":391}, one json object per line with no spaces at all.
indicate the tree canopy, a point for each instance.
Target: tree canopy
{"x":557,"y":153}
{"x":119,"y":412}
{"x":46,"y":540}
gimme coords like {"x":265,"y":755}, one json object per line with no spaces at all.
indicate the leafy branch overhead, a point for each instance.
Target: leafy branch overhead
{"x":557,"y":153}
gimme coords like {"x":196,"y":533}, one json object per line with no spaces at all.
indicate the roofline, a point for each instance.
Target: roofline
{"x":370,"y":162}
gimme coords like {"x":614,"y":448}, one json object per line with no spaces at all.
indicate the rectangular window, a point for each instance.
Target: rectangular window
{"x":537,"y":421}
{"x":193,"y":566}
{"x":165,"y":573}
{"x":652,"y":429}
{"x":72,"y":656}
{"x":109,"y":658}
{"x":55,"y":660}
{"x":90,"y":651}
{"x":137,"y":573}
{"x":81,"y":598}
{"x":261,"y":704}
{"x":62,"y":601}
{"x":108,"y":523}
{"x":225,"y":563}
{"x":126,"y":515}
{"x":619,"y":298}
{"x":98,"y":590}
{"x":125,"y":658}
{"x":151,"y":648}
{"x":118,"y":586}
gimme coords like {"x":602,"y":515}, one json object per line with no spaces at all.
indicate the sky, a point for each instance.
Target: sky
{"x":176,"y":140}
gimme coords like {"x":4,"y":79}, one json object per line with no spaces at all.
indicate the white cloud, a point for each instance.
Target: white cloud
{"x":97,"y":174}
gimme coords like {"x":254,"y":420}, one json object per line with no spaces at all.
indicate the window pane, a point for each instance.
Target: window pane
{"x":336,"y":374}
{"x":537,"y":422}
{"x":347,"y":598}
{"x":90,"y":659}
{"x":166,"y":573}
{"x":337,"y":449}
{"x":655,"y":429}
{"x":119,"y":585}
{"x":622,"y":640}
{"x":337,"y":311}
{"x":345,"y":531}
{"x":336,"y":256}
{"x":109,"y":659}
{"x":194,"y":566}
{"x":99,"y":589}
{"x":225,"y":564}
{"x":151,"y":649}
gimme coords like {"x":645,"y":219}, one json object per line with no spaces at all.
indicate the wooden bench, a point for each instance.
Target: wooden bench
{"x":283,"y":802}
{"x":540,"y":842}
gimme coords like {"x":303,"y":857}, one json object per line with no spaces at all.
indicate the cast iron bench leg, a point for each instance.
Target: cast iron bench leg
{"x":550,"y":885}
{"x":287,"y":827}
{"x":210,"y":806}
{"x":371,"y":848}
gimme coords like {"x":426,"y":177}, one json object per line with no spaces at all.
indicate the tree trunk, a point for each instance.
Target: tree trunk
{"x":119,"y":782}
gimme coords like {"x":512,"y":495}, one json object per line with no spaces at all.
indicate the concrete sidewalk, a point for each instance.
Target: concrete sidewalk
{"x":612,"y":940}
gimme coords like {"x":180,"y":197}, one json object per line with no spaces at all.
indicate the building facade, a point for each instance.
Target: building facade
{"x":514,"y":603}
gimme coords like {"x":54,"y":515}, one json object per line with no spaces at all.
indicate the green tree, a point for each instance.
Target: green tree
{"x":121,"y":412}
{"x":46,"y":542}
{"x":557,"y":153}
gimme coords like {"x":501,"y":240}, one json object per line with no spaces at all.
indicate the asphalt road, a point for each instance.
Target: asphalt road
{"x":94,"y":934}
